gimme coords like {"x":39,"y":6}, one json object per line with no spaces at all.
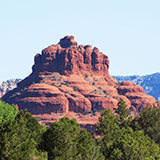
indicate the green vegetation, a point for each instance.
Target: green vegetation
{"x":105,"y":92}
{"x":19,"y":139}
{"x":123,"y":113}
{"x":65,"y":140}
{"x":59,"y":139}
{"x":121,"y":137}
{"x":95,"y":91}
{"x":7,"y":112}
{"x":67,"y":83}
{"x":76,"y":89}
{"x":120,"y":142}
{"x":149,"y":121}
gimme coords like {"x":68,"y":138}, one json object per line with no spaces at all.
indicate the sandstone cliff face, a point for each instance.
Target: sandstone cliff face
{"x":136,"y":95}
{"x":67,"y":58}
{"x":150,"y":83}
{"x":73,"y":80}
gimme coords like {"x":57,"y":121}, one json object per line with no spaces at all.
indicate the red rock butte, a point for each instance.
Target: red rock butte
{"x":73,"y":80}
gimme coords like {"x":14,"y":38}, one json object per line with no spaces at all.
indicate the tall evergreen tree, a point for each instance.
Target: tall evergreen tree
{"x":119,"y":142}
{"x":60,"y":139}
{"x":149,"y":121}
{"x":87,"y":148}
{"x":18,"y":137}
{"x":122,"y":112}
{"x":65,"y":140}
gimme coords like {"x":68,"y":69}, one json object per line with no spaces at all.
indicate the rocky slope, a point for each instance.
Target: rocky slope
{"x":73,"y":80}
{"x":8,"y":85}
{"x":150,"y":83}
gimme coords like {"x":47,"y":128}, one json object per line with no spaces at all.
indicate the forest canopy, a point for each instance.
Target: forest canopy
{"x":120,"y":136}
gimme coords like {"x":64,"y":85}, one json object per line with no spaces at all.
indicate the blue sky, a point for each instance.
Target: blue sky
{"x":128,"y":31}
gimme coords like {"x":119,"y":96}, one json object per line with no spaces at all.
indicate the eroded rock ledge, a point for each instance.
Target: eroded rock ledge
{"x":73,"y":80}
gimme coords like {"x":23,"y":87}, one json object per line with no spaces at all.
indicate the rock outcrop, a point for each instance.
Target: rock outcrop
{"x":7,"y":86}
{"x":150,"y":83}
{"x":136,"y":95}
{"x":73,"y":80}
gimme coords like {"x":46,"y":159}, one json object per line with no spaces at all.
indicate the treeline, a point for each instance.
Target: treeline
{"x":118,"y":136}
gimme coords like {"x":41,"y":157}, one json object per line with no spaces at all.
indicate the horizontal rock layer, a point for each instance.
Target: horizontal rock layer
{"x":71,"y":78}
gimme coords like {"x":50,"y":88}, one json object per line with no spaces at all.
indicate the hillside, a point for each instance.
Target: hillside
{"x":8,"y":85}
{"x":150,"y":83}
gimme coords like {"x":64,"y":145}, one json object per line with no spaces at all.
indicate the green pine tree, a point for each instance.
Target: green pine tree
{"x":123,"y":113}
